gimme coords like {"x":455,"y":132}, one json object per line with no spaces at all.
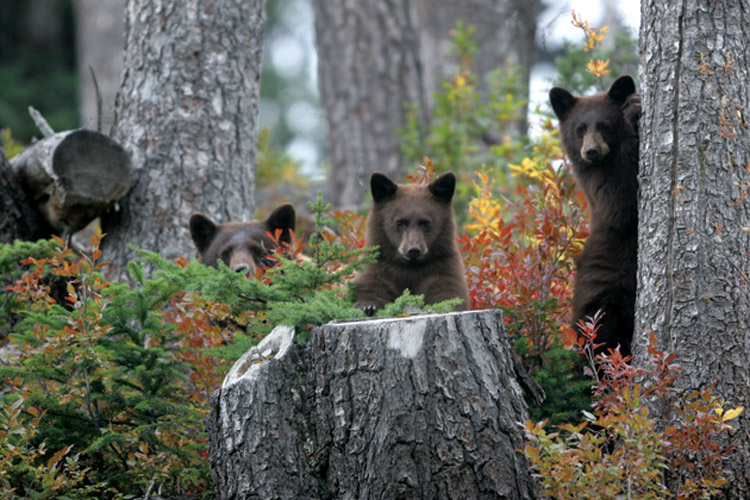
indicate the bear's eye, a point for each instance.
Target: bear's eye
{"x":424,"y":224}
{"x":226,"y":254}
{"x":257,"y":251}
{"x":605,"y":126}
{"x":402,"y":223}
{"x":580,"y":130}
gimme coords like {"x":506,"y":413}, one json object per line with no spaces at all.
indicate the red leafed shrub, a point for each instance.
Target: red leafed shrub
{"x":622,"y":451}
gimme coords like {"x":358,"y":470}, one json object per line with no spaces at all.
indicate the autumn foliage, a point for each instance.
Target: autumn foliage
{"x":110,"y":386}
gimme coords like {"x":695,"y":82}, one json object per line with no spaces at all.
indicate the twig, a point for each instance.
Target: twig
{"x":41,"y":123}
{"x":98,"y":101}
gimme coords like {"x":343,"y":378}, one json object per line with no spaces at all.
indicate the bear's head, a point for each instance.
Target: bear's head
{"x":590,"y":127}
{"x":242,"y":246}
{"x":411,"y":223}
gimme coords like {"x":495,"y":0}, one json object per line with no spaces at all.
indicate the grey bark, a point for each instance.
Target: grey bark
{"x":99,"y":46}
{"x":368,"y":71}
{"x":504,"y":29}
{"x":376,"y":57}
{"x":694,"y":206}
{"x":422,"y":407}
{"x":20,"y":219}
{"x":494,"y":34}
{"x":187,"y":113}
{"x":73,"y":177}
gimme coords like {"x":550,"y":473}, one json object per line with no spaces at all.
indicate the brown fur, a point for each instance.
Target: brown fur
{"x":600,"y":137}
{"x":242,"y":246}
{"x":414,"y":228}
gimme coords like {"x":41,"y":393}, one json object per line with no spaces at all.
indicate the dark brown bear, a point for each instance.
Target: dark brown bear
{"x":600,"y":137}
{"x":242,"y":246}
{"x":414,"y":229}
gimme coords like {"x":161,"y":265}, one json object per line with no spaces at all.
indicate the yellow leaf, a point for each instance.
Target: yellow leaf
{"x":733,"y":413}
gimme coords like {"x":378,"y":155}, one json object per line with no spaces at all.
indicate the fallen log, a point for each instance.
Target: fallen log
{"x":73,"y":176}
{"x":419,"y":407}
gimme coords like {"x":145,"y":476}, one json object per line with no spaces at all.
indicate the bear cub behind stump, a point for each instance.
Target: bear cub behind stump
{"x":242,"y":246}
{"x":415,"y":231}
{"x":600,"y":136}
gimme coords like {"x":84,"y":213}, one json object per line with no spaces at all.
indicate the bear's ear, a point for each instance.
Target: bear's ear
{"x":443,"y":187}
{"x":562,"y":101}
{"x":621,"y":89}
{"x":203,"y":231}
{"x":382,"y":187}
{"x":282,"y":218}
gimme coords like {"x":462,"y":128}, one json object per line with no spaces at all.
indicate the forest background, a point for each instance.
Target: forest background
{"x":102,"y":419}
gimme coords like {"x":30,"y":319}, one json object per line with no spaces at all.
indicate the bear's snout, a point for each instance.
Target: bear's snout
{"x":594,"y":147}
{"x":241,"y":268}
{"x":413,"y":252}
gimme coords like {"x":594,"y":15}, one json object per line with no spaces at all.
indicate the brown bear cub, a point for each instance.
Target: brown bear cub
{"x":242,"y":246}
{"x":414,"y":229}
{"x":600,"y":136}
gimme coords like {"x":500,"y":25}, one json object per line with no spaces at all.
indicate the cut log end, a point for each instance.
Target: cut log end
{"x":74,"y":176}
{"x":92,"y":166}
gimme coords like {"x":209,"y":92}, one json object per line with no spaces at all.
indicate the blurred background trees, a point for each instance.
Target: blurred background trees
{"x":47,"y":46}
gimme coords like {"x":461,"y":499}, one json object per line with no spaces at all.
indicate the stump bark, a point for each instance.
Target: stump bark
{"x":425,"y":407}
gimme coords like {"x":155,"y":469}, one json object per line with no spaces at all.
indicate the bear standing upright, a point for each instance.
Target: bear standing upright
{"x":242,"y":246}
{"x":415,"y":231}
{"x":600,"y":136}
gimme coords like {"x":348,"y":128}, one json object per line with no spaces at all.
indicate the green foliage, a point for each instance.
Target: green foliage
{"x":469,"y":130}
{"x":9,"y":145}
{"x":559,"y":372}
{"x":105,"y":379}
{"x":47,"y":83}
{"x":620,"y":450}
{"x":622,"y":57}
{"x":412,"y":303}
{"x":295,"y":292}
{"x":11,"y":270}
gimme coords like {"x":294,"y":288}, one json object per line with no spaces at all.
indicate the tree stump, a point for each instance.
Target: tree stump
{"x":419,"y":407}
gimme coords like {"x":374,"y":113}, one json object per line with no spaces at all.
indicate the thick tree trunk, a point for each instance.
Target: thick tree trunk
{"x":187,"y":113}
{"x":376,"y":57}
{"x":368,"y":71}
{"x":695,"y":207}
{"x":421,"y":407}
{"x":99,"y":42}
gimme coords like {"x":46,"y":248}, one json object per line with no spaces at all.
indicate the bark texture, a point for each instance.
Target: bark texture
{"x":73,"y":177}
{"x":369,"y":69}
{"x":694,"y":244}
{"x":423,"y":407}
{"x":375,"y":57}
{"x":20,"y":219}
{"x":187,"y":113}
{"x":99,"y":43}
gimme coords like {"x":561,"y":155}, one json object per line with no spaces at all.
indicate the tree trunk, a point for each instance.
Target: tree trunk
{"x":695,"y":206}
{"x":187,"y":113}
{"x":368,"y":70}
{"x":504,"y":29}
{"x":421,"y":407}
{"x":376,"y":57}
{"x":99,"y":41}
{"x":20,"y":219}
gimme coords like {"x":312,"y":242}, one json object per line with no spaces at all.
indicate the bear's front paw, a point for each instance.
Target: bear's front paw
{"x":631,"y":110}
{"x":368,"y":309}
